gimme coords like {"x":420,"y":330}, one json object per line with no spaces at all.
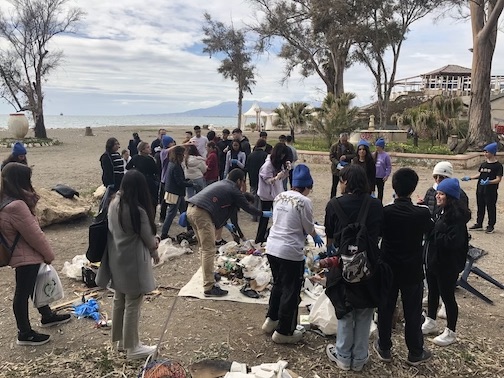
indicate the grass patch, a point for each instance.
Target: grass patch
{"x":28,"y":141}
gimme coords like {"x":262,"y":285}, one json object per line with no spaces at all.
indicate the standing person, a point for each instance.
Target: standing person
{"x":163,"y":158}
{"x":212,"y":161}
{"x":18,"y":155}
{"x":383,"y":166}
{"x":244,"y":142}
{"x":235,"y":158}
{"x":223,"y":146}
{"x":254,"y":163}
{"x":288,"y":142}
{"x":133,"y":144}
{"x":194,"y":168}
{"x":489,"y":177}
{"x":175,"y":188}
{"x":366,"y":161}
{"x":209,"y":210}
{"x":292,"y":221}
{"x":288,"y":163}
{"x":199,"y":141}
{"x":21,"y":228}
{"x":112,"y":165}
{"x":270,"y":185}
{"x":145,"y":164}
{"x":341,"y":152}
{"x":264,"y":136}
{"x":188,"y":136}
{"x":354,"y":303}
{"x":446,"y":254}
{"x":126,"y":159}
{"x":404,"y":226}
{"x":157,"y":143}
{"x":126,"y":264}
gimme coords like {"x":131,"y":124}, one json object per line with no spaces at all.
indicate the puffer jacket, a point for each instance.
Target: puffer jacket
{"x":268,"y":185}
{"x":195,"y":167}
{"x":32,"y":247}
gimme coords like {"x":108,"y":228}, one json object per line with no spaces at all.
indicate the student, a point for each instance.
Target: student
{"x":244,"y":142}
{"x":223,"y":146}
{"x":254,"y":163}
{"x":112,"y":165}
{"x":383,"y":167}
{"x":366,"y":161}
{"x":133,"y":145}
{"x":212,"y":162}
{"x":18,"y":155}
{"x":199,"y":141}
{"x":341,"y":152}
{"x":163,"y":157}
{"x":188,"y":136}
{"x":126,"y":159}
{"x":489,"y":177}
{"x":145,"y":164}
{"x":264,"y":136}
{"x":194,"y":169}
{"x":235,"y":158}
{"x":157,"y":143}
{"x":404,"y":226}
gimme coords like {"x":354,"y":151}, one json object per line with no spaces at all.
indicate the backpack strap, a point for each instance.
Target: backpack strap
{"x":340,"y":214}
{"x":4,"y":203}
{"x":364,"y":210}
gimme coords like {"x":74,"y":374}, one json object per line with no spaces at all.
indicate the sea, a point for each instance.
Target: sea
{"x":76,"y":122}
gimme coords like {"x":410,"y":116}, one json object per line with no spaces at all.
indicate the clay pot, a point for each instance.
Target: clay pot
{"x":18,"y":125}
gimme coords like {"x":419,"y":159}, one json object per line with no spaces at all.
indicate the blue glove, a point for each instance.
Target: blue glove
{"x":466,"y":178}
{"x":331,"y":250}
{"x":484,"y":182}
{"x":318,"y":241}
{"x":234,"y":161}
{"x":267,"y":214}
{"x":230,"y":227}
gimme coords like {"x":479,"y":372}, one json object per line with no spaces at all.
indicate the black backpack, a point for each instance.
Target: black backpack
{"x":98,"y":230}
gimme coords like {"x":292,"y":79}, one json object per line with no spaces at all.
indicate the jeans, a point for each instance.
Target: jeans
{"x":443,"y":285}
{"x":198,"y":185}
{"x":125,"y":318}
{"x":352,"y":339}
{"x":25,"y":283}
{"x":170,"y":216}
{"x":262,"y":228}
{"x":486,"y":198}
{"x":285,"y":294}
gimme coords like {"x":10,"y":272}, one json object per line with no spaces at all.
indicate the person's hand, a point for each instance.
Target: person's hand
{"x":484,"y":182}
{"x":230,"y":227}
{"x":234,"y":161}
{"x":466,"y":178}
{"x":279,"y":176}
{"x":156,"y":259}
{"x":342,"y":158}
{"x":331,"y":250}
{"x":267,"y":214}
{"x":288,"y":165}
{"x":420,"y":201}
{"x":318,"y":240}
{"x":385,"y":178}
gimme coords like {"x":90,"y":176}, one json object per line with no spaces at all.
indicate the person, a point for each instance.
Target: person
{"x":212,"y":136}
{"x":365,"y":159}
{"x":157,"y":143}
{"x":126,"y":264}
{"x":292,"y":221}
{"x":112,"y":165}
{"x":264,"y":136}
{"x":199,"y":141}
{"x":489,"y":177}
{"x":293,"y":155}
{"x":404,"y":227}
{"x":145,"y":164}
{"x":235,"y":158}
{"x":133,"y":145}
{"x":212,"y":161}
{"x":383,"y":166}
{"x":188,"y":136}
{"x":270,"y":184}
{"x":445,"y":258}
{"x":354,"y":303}
{"x":126,"y":159}
{"x":209,"y":210}
{"x":162,"y":156}
{"x":18,"y":155}
{"x":175,"y":188}
{"x":223,"y":146}
{"x":341,"y":152}
{"x":253,"y":164}
{"x":244,"y":142}
{"x":194,"y":168}
{"x":19,"y":222}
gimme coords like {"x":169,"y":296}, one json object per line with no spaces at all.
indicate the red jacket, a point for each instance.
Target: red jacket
{"x":212,"y":162}
{"x":32,"y":247}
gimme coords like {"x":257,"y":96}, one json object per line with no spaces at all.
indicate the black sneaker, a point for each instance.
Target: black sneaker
{"x":383,"y":355}
{"x":417,"y":360}
{"x":220,"y":242}
{"x":215,"y":291}
{"x":32,"y":338}
{"x":489,"y":230}
{"x":476,"y":227}
{"x":55,"y":319}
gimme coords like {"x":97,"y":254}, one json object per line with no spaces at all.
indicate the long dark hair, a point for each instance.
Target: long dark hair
{"x":135,"y":194}
{"x":110,"y":144}
{"x":276,"y":156}
{"x":177,"y":155}
{"x":16,"y":183}
{"x":356,"y":179}
{"x":13,"y":159}
{"x":368,"y":159}
{"x":191,"y":150}
{"x":455,"y":211}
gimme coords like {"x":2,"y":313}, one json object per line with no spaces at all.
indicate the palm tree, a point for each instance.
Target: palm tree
{"x":295,"y":115}
{"x":446,"y":111}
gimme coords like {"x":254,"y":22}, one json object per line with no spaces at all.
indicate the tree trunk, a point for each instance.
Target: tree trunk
{"x":40,"y":130}
{"x":240,"y":101}
{"x":340,"y":63}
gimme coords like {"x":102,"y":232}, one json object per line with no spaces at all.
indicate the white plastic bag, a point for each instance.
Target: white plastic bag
{"x":323,"y":315}
{"x":48,"y":286}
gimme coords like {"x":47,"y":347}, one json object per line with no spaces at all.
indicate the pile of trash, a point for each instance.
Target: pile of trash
{"x":227,"y":369}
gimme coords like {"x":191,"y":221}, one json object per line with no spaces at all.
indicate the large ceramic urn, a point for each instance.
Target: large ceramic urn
{"x":18,"y":125}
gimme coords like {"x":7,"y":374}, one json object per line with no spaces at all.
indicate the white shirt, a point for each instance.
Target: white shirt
{"x":200,"y":144}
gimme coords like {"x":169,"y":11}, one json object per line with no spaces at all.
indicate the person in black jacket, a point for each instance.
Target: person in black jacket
{"x":223,"y":146}
{"x":445,"y":258}
{"x":404,"y":226}
{"x":366,"y":161}
{"x":112,"y":165}
{"x":354,"y":303}
{"x":175,"y":188}
{"x":133,"y":145}
{"x":253,"y":164}
{"x":145,"y":163}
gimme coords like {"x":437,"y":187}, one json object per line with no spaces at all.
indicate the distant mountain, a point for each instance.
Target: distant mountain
{"x":225,"y":109}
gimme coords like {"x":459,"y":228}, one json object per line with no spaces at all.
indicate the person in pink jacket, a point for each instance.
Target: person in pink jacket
{"x":18,"y":222}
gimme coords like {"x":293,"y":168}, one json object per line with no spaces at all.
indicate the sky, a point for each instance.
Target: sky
{"x":145,"y":57}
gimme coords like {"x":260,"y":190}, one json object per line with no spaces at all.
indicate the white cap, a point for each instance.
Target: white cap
{"x":443,"y":168}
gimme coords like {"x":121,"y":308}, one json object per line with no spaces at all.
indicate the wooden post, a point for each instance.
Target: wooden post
{"x":88,"y":132}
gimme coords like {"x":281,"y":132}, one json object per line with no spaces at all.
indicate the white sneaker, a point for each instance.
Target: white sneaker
{"x":120,"y":347}
{"x":269,"y":325}
{"x":442,"y":311}
{"x":285,"y":339}
{"x":446,"y":338}
{"x":429,"y":326}
{"x":141,"y":351}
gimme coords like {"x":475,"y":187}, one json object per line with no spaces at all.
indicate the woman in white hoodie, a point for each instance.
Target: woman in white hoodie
{"x":194,"y":168}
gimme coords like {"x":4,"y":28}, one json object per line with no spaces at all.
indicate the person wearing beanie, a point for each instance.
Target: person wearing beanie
{"x":488,"y":178}
{"x":366,"y":161}
{"x":292,"y":221}
{"x":18,"y":155}
{"x":446,"y":254}
{"x":341,"y":152}
{"x":383,"y":166}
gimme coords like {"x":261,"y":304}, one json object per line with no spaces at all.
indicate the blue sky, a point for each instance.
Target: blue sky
{"x":144,"y":56}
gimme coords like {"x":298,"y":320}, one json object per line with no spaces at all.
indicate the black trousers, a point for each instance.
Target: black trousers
{"x":25,"y":283}
{"x":411,"y":297}
{"x":486,"y":199}
{"x":334,"y":187}
{"x":380,"y":184}
{"x":285,"y":294}
{"x":262,"y":228}
{"x":443,"y":285}
{"x":162,"y":202}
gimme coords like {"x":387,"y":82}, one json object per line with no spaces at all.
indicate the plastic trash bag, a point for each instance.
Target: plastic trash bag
{"x":323,"y":315}
{"x":48,"y":286}
{"x":89,"y":309}
{"x":74,"y":269}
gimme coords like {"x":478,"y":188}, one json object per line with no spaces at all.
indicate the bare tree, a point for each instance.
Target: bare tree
{"x":236,"y":65}
{"x":26,"y":62}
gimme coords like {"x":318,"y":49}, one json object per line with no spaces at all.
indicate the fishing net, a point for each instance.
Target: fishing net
{"x":163,"y":369}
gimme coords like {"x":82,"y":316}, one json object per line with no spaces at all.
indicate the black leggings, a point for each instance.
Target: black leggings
{"x":380,"y":184}
{"x":443,"y":285}
{"x":262,"y":228}
{"x":25,"y":283}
